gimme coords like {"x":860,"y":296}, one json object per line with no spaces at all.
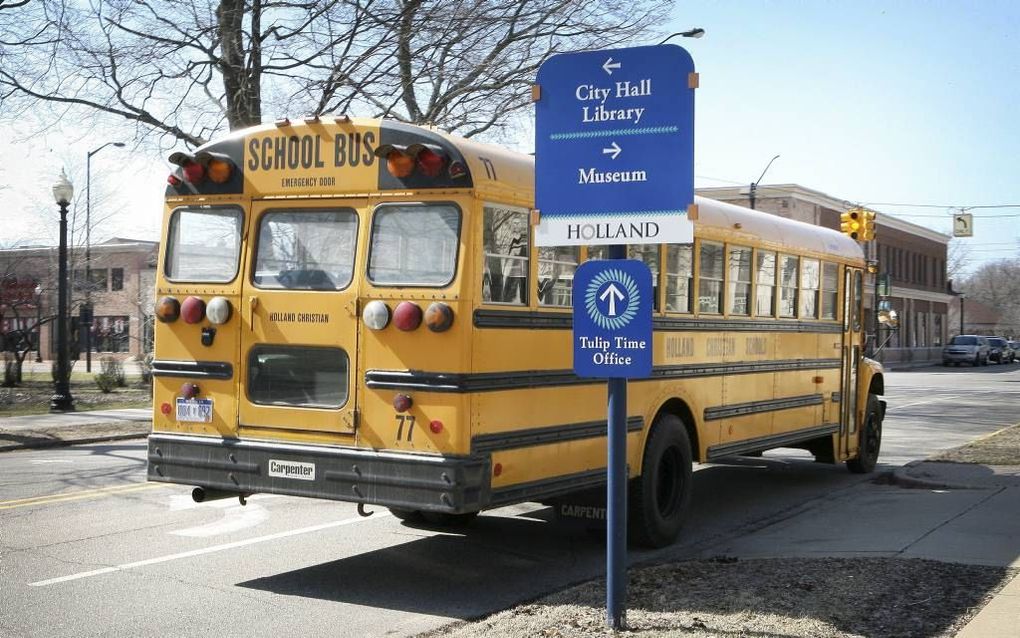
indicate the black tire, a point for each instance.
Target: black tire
{"x":871,"y":439}
{"x":660,"y":498}
{"x":977,"y":360}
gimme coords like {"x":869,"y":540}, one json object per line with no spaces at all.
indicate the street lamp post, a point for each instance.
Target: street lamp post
{"x":38,"y":323}
{"x":62,"y":400}
{"x":86,"y":325}
{"x":754,"y":184}
{"x":962,"y":297}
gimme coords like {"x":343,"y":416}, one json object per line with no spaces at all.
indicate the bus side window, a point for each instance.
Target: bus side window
{"x":766,"y":284}
{"x":788,"y":272}
{"x":710,"y":278}
{"x":556,"y":266}
{"x":679,"y":277}
{"x":809,"y":283}
{"x":740,"y":280}
{"x":649,"y":254}
{"x":505,"y":244}
{"x":830,"y":290}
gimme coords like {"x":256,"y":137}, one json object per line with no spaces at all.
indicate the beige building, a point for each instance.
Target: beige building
{"x":913,"y":256}
{"x":121,"y":287}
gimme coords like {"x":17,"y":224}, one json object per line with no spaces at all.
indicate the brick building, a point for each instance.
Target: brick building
{"x":122,"y":285}
{"x":913,"y":256}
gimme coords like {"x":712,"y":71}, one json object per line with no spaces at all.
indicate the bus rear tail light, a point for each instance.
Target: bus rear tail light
{"x":192,"y":310}
{"x":436,"y":426}
{"x":402,"y":403}
{"x":376,"y":315}
{"x":439,"y":317}
{"x":398,"y":162}
{"x":168,"y":309}
{"x":218,"y":310}
{"x":197,"y":168}
{"x":403,"y":161}
{"x":430,"y":162}
{"x":407,"y":316}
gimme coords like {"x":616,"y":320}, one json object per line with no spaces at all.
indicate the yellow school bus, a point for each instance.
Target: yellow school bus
{"x":353,"y":309}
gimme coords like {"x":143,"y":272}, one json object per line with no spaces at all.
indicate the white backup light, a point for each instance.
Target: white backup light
{"x":218,"y":310}
{"x":376,"y":315}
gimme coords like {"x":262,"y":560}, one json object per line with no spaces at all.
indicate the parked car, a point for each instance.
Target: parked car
{"x":1000,"y":351}
{"x":972,"y":349}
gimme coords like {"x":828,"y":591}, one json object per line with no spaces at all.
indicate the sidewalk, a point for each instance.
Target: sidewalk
{"x":69,"y":428}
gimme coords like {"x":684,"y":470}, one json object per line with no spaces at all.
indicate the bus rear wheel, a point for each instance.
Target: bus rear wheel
{"x":661,"y":497}
{"x":871,"y":439}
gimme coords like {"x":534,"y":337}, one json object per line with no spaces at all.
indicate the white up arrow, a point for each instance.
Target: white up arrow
{"x":614,"y":294}
{"x":610,"y":65}
{"x":613,"y":150}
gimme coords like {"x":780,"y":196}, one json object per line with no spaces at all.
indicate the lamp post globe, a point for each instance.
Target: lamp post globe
{"x":62,"y":401}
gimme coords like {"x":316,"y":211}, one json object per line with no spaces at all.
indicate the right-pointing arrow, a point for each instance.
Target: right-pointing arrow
{"x":613,"y":150}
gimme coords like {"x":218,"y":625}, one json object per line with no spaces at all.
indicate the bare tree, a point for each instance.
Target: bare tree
{"x":187,"y":69}
{"x":997,"y":285}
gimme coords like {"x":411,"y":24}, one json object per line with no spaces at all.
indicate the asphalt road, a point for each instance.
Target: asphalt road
{"x":87,"y":547}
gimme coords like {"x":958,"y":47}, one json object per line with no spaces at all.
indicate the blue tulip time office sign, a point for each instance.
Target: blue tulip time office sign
{"x":613,"y":319}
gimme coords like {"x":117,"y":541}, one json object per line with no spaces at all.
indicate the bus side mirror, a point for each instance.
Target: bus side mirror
{"x":887,"y":316}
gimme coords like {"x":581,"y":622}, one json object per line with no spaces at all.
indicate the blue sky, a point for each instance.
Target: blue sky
{"x":872,"y":102}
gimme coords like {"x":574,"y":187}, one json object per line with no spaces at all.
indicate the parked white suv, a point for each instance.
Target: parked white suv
{"x":972,"y":349}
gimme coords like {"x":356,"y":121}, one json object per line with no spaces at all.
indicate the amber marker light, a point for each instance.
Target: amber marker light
{"x":219,"y":170}
{"x":399,"y":164}
{"x":167,"y":309}
{"x":439,"y":317}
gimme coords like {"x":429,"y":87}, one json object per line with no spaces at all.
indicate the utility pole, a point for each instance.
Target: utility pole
{"x":754,"y":184}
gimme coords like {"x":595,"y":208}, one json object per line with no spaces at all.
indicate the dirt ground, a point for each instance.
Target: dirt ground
{"x":792,"y":598}
{"x":33,"y":396}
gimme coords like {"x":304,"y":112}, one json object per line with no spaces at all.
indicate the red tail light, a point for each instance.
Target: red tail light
{"x":430,"y":162}
{"x":194,"y":172}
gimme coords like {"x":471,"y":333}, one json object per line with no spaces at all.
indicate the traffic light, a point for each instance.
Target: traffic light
{"x":851,"y":224}
{"x":868,"y":228}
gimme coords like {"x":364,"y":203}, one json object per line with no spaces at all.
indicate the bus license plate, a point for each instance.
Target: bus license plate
{"x":194,"y":410}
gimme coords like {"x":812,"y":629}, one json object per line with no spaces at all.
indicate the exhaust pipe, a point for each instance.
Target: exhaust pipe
{"x":204,"y":494}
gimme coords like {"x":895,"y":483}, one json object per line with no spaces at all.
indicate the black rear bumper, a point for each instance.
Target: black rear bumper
{"x":391,"y":479}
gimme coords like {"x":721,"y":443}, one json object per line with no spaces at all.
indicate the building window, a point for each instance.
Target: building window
{"x":117,"y":279}
{"x":936,"y":337}
{"x":110,"y":334}
{"x":99,"y":280}
{"x":679,"y":274}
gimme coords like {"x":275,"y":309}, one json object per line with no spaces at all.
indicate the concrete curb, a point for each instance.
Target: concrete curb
{"x":11,"y":440}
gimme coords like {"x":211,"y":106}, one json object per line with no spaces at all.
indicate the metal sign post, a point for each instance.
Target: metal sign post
{"x":613,"y":339}
{"x":614,"y":165}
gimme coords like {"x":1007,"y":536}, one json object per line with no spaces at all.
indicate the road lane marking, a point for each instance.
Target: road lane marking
{"x":235,"y":518}
{"x":205,"y":550}
{"x":77,"y":496}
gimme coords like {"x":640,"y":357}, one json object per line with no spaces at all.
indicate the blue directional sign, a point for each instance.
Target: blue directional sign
{"x":613,"y":319}
{"x":614,"y":147}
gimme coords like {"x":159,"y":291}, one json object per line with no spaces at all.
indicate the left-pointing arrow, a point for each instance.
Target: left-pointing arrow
{"x":610,"y":65}
{"x":613,"y":150}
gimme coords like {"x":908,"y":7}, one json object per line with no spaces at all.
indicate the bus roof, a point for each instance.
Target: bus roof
{"x":781,"y":233}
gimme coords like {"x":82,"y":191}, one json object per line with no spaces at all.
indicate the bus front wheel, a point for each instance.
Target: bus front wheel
{"x":871,"y":439}
{"x":661,"y":497}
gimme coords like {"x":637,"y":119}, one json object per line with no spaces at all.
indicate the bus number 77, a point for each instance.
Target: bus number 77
{"x":407,"y":419}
